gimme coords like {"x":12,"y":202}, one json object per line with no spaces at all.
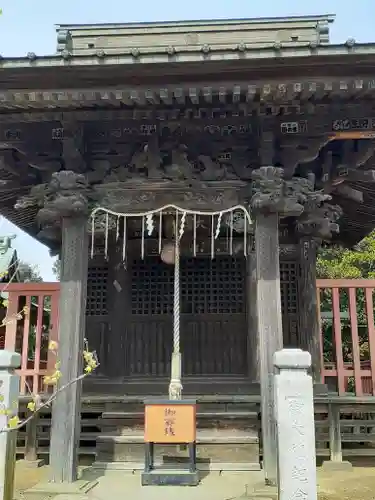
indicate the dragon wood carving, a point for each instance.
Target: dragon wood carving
{"x":174,"y":162}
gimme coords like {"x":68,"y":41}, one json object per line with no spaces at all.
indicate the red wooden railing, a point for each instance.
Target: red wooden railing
{"x":28,"y":325}
{"x":347,"y":335}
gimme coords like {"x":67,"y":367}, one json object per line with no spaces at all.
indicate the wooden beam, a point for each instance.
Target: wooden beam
{"x":361,"y":175}
{"x":348,"y":192}
{"x":353,"y":135}
{"x":292,"y":153}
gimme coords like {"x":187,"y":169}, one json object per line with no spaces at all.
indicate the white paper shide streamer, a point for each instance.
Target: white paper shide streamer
{"x":185,"y":224}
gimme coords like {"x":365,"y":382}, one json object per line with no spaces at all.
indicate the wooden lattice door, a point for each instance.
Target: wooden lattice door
{"x":289,"y":301}
{"x":213,"y":317}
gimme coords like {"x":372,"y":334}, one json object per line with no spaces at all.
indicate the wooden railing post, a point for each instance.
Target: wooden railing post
{"x":335,"y":462}
{"x":348,"y":364}
{"x":31,"y":444}
{"x":11,"y":321}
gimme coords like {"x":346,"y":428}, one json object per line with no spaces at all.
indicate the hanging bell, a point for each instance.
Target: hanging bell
{"x":168,"y":253}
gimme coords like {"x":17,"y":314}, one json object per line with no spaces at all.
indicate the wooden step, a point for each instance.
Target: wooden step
{"x":203,"y":436}
{"x":124,"y":422}
{"x":214,"y":448}
{"x":206,"y":406}
{"x":227,"y":435}
{"x":232,"y":415}
{"x":201,"y":466}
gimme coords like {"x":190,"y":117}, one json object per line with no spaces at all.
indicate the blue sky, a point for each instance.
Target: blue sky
{"x":28,"y":26}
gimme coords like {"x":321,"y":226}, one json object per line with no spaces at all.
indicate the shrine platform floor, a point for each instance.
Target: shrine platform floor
{"x":357,"y":484}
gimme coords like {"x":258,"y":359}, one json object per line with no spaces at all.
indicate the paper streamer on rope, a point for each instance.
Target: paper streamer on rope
{"x":148,"y":225}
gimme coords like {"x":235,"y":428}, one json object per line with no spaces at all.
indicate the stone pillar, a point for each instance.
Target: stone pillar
{"x":309,"y":327}
{"x":66,"y":202}
{"x":294,"y":408}
{"x":10,"y":390}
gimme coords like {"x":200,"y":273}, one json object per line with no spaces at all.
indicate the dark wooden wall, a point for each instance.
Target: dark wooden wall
{"x":130,"y":314}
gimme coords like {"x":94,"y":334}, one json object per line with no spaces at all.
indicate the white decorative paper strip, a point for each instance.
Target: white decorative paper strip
{"x":150,"y":224}
{"x":235,"y":214}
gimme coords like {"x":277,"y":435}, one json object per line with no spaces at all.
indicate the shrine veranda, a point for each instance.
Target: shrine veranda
{"x":126,"y":120}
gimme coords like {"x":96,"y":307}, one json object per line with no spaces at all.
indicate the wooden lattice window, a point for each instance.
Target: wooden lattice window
{"x":213,"y":286}
{"x":97,"y":291}
{"x":288,"y":285}
{"x":207,"y":286}
{"x":151,"y":287}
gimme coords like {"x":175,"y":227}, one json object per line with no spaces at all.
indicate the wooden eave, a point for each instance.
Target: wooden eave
{"x":194,"y":23}
{"x":65,"y":70}
{"x":84,"y":82}
{"x":358,"y":218}
{"x":35,"y":88}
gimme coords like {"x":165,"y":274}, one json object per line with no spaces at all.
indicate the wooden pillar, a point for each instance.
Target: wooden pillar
{"x":270,"y":330}
{"x":252,"y":318}
{"x":309,"y":328}
{"x":66,"y":410}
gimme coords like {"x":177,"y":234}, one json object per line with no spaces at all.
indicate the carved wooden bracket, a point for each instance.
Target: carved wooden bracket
{"x":14,"y":162}
{"x":293,"y":153}
{"x":67,"y":195}
{"x":295,"y":197}
{"x":319,"y":219}
{"x":272,"y":194}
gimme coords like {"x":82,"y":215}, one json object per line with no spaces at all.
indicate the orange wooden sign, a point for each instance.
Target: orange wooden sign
{"x":170,"y":422}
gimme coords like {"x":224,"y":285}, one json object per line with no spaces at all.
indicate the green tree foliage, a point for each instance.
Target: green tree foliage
{"x":337,"y":262}
{"x":56,"y":268}
{"x":359,"y":262}
{"x":29,"y":273}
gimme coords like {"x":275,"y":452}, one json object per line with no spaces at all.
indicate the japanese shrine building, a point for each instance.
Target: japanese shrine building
{"x":127,"y":119}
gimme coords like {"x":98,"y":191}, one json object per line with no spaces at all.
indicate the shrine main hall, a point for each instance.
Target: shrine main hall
{"x":186,"y":173}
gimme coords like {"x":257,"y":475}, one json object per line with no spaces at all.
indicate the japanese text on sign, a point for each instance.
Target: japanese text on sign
{"x":170,"y":423}
{"x":353,"y":124}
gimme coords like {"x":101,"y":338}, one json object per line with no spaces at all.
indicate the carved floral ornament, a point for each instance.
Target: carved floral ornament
{"x":296,"y":197}
{"x":186,"y":222}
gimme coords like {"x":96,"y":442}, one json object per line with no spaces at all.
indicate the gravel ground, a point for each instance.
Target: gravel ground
{"x":358,"y":484}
